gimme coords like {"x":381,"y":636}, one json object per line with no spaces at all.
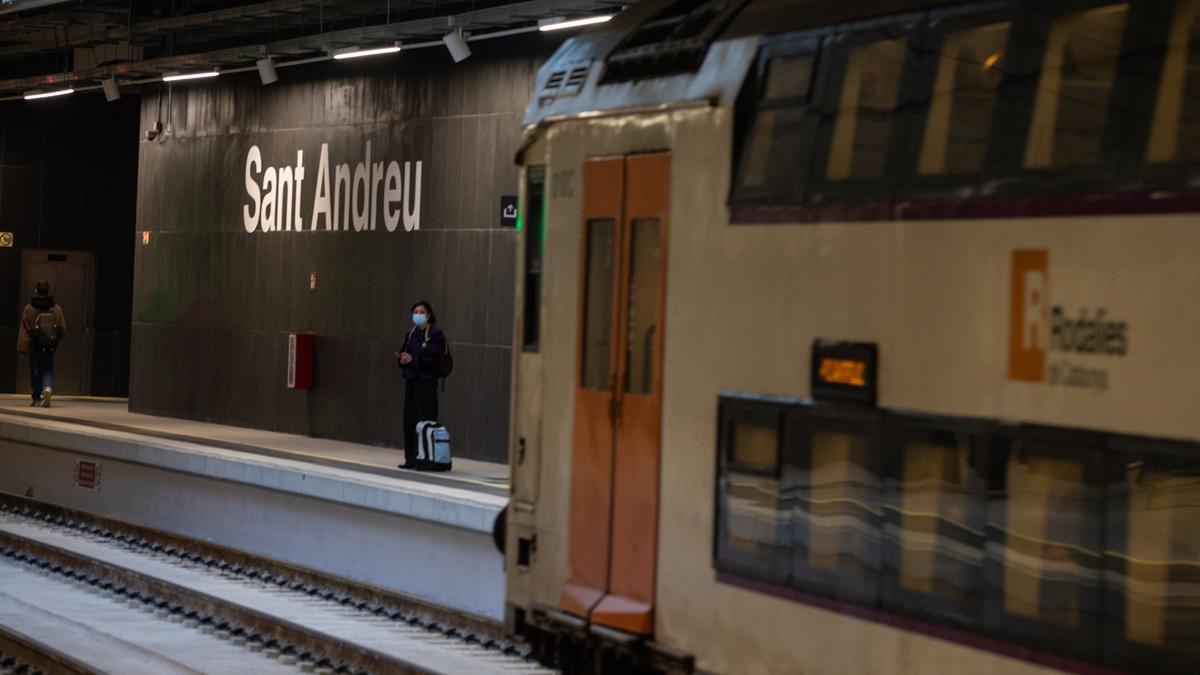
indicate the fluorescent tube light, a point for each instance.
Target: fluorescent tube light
{"x":190,"y":76}
{"x":354,"y":54}
{"x":47,"y":94}
{"x":558,"y":24}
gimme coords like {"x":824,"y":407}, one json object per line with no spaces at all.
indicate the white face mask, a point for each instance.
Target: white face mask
{"x":419,"y":320}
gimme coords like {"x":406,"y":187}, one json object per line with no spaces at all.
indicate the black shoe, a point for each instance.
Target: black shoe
{"x":37,"y":402}
{"x":406,"y":467}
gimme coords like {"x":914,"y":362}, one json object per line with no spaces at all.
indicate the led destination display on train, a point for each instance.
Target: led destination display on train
{"x":359,"y":197}
{"x":844,"y":371}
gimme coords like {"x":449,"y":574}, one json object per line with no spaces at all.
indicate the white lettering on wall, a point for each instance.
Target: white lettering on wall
{"x":321,"y":202}
{"x":253,"y":159}
{"x":412,"y":203}
{"x":391,"y":195}
{"x":350,"y":197}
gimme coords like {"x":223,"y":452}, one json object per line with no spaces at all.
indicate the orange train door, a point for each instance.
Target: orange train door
{"x":618,"y":399}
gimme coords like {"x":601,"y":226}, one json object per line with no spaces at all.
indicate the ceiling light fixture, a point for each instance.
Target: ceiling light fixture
{"x":111,"y":91}
{"x":189,"y":76}
{"x":356,"y":53}
{"x":266,"y":71}
{"x":47,"y":94}
{"x":456,"y":43}
{"x":560,"y":23}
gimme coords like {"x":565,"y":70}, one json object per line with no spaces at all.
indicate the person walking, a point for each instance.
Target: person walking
{"x":421,"y":362}
{"x":43,"y":326}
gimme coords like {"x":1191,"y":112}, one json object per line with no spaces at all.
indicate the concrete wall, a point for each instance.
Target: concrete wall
{"x":214,"y":302}
{"x":425,"y":541}
{"x":68,"y":181}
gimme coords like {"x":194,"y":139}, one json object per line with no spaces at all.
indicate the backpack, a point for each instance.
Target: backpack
{"x":433,"y":446}
{"x":44,"y":332}
{"x":446,"y":363}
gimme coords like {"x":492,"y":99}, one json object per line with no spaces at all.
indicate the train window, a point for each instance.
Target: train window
{"x":597,"y":310}
{"x":755,"y":446}
{"x":834,"y":492}
{"x":644,"y":290}
{"x":752,"y":526}
{"x":866,"y":111}
{"x":935,"y":523}
{"x":970,"y":67}
{"x":1175,"y":134}
{"x":1068,"y":541}
{"x":757,"y":156}
{"x":1153,"y":555}
{"x":789,"y":77}
{"x":781,"y":122}
{"x":1045,"y":526}
{"x":535,"y":198}
{"x":1071,"y":107}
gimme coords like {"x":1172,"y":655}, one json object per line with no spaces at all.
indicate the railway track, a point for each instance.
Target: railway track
{"x":84,"y":594}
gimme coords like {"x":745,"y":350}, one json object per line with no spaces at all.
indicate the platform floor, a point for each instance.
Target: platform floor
{"x":114,"y":415}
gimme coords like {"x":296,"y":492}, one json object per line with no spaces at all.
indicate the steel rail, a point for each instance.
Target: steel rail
{"x":351,"y":594}
{"x":39,"y":656}
{"x":183,"y":599}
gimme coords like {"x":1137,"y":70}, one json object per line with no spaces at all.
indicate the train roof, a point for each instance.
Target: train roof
{"x":661,"y":52}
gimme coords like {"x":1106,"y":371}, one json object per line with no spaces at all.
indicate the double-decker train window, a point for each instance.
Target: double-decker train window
{"x":789,"y":78}
{"x":1073,"y":542}
{"x":866,"y":110}
{"x":1044,"y":520}
{"x":935,"y":521}
{"x":1152,"y":537}
{"x":752,"y":526}
{"x":783,"y":124}
{"x":1071,"y":108}
{"x":1175,"y":131}
{"x":833,"y":489}
{"x":970,"y":66}
{"x":991,"y":102}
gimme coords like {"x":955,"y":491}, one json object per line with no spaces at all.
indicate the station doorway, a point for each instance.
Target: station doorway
{"x":72,"y":277}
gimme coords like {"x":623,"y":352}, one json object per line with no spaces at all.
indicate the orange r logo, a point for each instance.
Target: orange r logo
{"x":1029,"y":315}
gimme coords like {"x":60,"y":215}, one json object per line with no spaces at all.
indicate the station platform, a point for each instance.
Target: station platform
{"x":337,"y":507}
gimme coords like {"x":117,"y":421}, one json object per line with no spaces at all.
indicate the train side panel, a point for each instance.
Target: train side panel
{"x":745,"y":302}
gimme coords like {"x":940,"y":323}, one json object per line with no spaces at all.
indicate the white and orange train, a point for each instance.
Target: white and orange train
{"x":862,"y":337}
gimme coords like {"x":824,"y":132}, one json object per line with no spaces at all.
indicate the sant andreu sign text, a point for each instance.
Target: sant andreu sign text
{"x":346,"y":198}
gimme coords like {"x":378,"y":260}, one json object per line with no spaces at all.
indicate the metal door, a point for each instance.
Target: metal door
{"x":618,"y":401}
{"x":72,"y":283}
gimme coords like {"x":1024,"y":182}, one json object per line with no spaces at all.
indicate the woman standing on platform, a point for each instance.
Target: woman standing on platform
{"x":421,"y":361}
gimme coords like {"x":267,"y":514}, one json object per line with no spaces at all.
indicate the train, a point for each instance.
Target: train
{"x":856,"y":337}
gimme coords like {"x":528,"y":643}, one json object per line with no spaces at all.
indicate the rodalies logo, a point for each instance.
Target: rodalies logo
{"x":1042,"y":335}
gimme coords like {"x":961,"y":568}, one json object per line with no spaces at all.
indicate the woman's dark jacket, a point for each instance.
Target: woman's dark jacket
{"x":426,"y":346}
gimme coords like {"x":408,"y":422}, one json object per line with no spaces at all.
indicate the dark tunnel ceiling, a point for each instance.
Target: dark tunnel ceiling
{"x":48,"y":44}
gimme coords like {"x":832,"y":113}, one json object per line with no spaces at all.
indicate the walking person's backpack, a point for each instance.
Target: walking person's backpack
{"x":44,"y":332}
{"x":433,"y":446}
